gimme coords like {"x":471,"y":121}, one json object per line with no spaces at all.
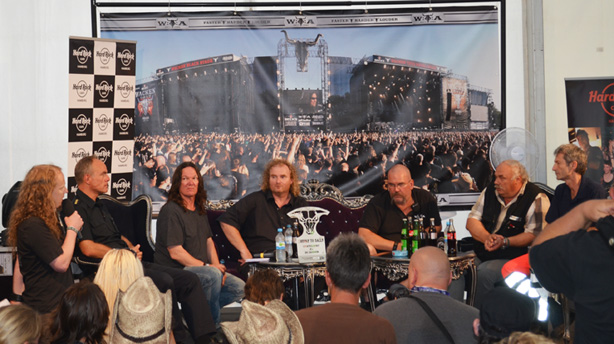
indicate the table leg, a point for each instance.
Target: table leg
{"x":474,"y":282}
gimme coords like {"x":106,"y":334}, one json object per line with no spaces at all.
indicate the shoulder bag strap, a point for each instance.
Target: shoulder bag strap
{"x":433,"y":317}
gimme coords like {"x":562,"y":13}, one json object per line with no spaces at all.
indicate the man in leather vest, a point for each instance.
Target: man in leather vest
{"x":508,"y":215}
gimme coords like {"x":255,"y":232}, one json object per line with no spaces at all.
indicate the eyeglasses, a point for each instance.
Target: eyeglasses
{"x":395,"y":186}
{"x":314,"y":98}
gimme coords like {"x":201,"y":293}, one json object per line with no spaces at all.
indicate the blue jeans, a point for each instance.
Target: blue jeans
{"x":218,"y":296}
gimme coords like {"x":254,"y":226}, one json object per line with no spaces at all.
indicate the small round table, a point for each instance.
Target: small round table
{"x":395,"y":268}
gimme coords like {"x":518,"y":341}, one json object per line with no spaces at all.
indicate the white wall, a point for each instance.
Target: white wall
{"x":578,"y":42}
{"x":34,"y":82}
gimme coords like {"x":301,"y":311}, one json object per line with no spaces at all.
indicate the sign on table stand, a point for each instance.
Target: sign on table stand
{"x":311,"y":245}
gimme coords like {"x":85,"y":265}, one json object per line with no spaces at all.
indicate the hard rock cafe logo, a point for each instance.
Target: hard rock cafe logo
{"x":81,"y":122}
{"x":103,"y":122}
{"x":79,"y":154}
{"x":124,"y":122}
{"x":104,"y":55}
{"x":125,"y":89}
{"x":121,"y":186}
{"x":123,"y":154}
{"x":104,"y":89}
{"x":606,"y":98}
{"x":82,"y":54}
{"x":102,"y":154}
{"x":126,"y":57}
{"x":82,"y":88}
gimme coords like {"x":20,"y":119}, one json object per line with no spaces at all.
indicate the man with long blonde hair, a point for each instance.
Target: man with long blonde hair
{"x":250,"y":225}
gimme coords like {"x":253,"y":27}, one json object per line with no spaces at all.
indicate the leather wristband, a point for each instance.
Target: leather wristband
{"x":395,"y":245}
{"x":15,"y":298}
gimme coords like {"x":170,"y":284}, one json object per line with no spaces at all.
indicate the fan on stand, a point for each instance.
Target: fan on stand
{"x":517,"y":144}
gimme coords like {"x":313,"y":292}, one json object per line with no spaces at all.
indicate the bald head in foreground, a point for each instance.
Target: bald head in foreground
{"x":429,"y":277}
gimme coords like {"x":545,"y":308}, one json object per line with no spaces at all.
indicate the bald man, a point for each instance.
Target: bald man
{"x":429,"y":278}
{"x":382,"y":219}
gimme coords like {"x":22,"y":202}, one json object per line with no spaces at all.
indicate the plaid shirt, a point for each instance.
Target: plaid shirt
{"x":535,"y":220}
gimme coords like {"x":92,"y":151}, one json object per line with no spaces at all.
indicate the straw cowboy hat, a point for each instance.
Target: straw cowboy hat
{"x":142,"y":314}
{"x":274,"y":323}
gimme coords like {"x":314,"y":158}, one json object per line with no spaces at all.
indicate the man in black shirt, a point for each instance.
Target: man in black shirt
{"x":382,"y":219}
{"x":251,"y":224}
{"x":101,"y":235}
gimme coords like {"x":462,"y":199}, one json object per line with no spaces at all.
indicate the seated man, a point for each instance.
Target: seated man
{"x":569,"y":167}
{"x":504,"y":221}
{"x":101,"y":235}
{"x":348,"y":267}
{"x":183,"y":239}
{"x":570,"y":258}
{"x":382,"y":219}
{"x":251,"y":224}
{"x":429,"y":278}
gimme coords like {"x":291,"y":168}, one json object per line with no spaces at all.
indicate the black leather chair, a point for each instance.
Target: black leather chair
{"x":133,"y":219}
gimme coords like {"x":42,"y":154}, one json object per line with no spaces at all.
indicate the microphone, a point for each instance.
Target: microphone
{"x":68,"y":208}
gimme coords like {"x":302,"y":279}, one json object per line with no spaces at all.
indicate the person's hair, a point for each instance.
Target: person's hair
{"x":82,"y":313}
{"x":348,"y":262}
{"x":118,"y":269}
{"x":295,"y":189}
{"x":526,"y":338}
{"x":35,"y":200}
{"x":20,"y":324}
{"x":518,"y":170}
{"x":84,"y":167}
{"x":264,"y":285}
{"x":573,"y":153}
{"x":174,"y":195}
{"x":582,"y":132}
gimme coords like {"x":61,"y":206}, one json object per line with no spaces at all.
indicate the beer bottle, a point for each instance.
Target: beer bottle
{"x":451,"y":234}
{"x":404,"y":235}
{"x":442,"y":239}
{"x":432,"y":234}
{"x":295,"y":235}
{"x":415,"y":243}
{"x":423,"y":234}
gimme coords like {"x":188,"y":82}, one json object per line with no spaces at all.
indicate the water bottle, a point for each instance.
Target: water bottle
{"x":280,"y":246}
{"x":289,"y":249}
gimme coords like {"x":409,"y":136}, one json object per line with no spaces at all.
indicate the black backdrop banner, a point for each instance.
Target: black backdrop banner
{"x":590,"y":118}
{"x":342,"y":95}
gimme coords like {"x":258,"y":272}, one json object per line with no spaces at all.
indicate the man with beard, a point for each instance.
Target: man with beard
{"x":382,"y":219}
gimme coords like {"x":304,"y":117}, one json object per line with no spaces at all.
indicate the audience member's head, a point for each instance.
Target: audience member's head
{"x":82,"y":315}
{"x":526,"y":338}
{"x":142,"y":314}
{"x":264,"y":286}
{"x":429,"y":267}
{"x":502,"y":312}
{"x":20,"y":324}
{"x":348,"y":264}
{"x":273,"y":323}
{"x":118,"y":269}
